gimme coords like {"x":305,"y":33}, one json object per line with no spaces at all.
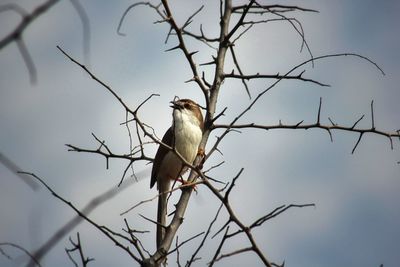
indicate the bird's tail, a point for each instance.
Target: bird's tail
{"x":161,"y":215}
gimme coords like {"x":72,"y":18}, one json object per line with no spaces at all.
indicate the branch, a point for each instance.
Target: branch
{"x":32,"y":257}
{"x":272,"y":8}
{"x":90,"y":206}
{"x":262,"y":93}
{"x":275,"y":76}
{"x":155,"y":7}
{"x":235,"y":61}
{"x":77,"y":247}
{"x":233,"y":218}
{"x":318,"y":125}
{"x":182,"y":45}
{"x":83,"y":16}
{"x":15,"y":169}
{"x":194,"y":258}
{"x":28,"y":18}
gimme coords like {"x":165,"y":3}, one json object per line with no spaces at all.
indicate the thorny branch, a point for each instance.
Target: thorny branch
{"x":318,"y":125}
{"x":77,"y":246}
{"x":226,"y":40}
{"x":211,"y":92}
{"x":106,"y":231}
{"x":44,"y":249}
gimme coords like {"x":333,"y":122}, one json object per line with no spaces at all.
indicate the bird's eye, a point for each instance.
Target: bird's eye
{"x":187,"y":105}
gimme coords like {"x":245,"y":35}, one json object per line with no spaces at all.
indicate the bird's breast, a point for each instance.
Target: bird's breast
{"x":187,"y":139}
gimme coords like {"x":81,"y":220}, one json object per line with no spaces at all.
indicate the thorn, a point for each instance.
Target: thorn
{"x":190,"y":80}
{"x":319,"y":111}
{"x":207,"y":63}
{"x":372,"y":115}
{"x":298,"y":124}
{"x":330,"y":135}
{"x":333,"y":124}
{"x":358,"y":141}
{"x":173,"y":48}
{"x":391,"y":142}
{"x":354,"y":125}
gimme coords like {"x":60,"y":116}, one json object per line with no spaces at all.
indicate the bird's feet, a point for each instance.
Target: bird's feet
{"x":187,"y":184}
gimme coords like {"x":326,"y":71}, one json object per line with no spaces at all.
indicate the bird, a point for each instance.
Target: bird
{"x":184,"y":136}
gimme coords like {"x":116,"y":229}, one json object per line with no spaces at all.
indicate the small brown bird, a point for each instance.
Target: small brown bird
{"x":184,"y":136}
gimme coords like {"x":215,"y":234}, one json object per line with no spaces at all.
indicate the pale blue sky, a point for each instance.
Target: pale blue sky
{"x":355,"y":222}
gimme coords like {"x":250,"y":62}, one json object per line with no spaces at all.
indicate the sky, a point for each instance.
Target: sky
{"x":356,"y":217}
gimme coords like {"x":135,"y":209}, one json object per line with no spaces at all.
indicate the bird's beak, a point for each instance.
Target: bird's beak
{"x":175,"y":105}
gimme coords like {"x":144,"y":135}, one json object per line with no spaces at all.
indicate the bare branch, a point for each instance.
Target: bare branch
{"x":182,"y":46}
{"x":27,"y":59}
{"x":136,"y":241}
{"x":194,"y":255}
{"x":155,"y":7}
{"x":86,"y":28}
{"x":262,"y":93}
{"x":239,"y":251}
{"x":272,"y":8}
{"x":239,"y":69}
{"x":32,"y":257}
{"x":77,"y":247}
{"x":236,"y":220}
{"x":184,"y":242}
{"x":276,"y":212}
{"x":71,"y":224}
{"x":13,"y":7}
{"x":26,"y":20}
{"x":315,"y":125}
{"x":239,"y":23}
{"x":275,"y":76}
{"x":190,"y":18}
{"x":15,"y":169}
{"x":218,"y":250}
{"x":186,"y":185}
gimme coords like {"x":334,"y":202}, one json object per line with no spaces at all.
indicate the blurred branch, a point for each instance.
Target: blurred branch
{"x":32,"y":257}
{"x":87,"y":209}
{"x":16,"y":34}
{"x":131,"y":7}
{"x":107,"y":232}
{"x":27,"y":18}
{"x":9,"y":164}
{"x":85,"y":28}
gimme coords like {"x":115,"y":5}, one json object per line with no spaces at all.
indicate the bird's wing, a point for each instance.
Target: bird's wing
{"x":167,"y":139}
